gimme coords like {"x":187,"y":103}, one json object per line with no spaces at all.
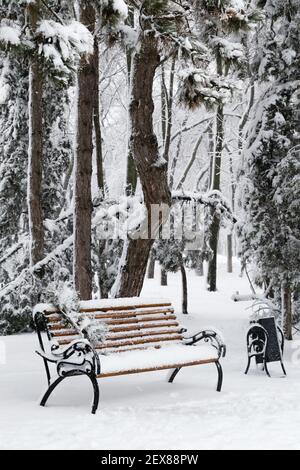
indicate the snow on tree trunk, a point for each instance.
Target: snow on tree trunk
{"x":152,"y":172}
{"x":87,"y":78}
{"x":35,"y":153}
{"x":287,"y":312}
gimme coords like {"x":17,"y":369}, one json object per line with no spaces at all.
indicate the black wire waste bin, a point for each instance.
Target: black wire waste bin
{"x":265,"y":342}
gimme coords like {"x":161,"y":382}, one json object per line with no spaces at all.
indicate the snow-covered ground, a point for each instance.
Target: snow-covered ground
{"x":143,"y":411}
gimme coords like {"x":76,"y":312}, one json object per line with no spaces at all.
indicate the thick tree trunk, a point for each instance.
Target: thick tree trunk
{"x":163,"y":277}
{"x":151,"y":267}
{"x":229,"y":253}
{"x":184,"y":289}
{"x":152,"y":173}
{"x":287,"y":312}
{"x":35,"y":154}
{"x":83,"y":166}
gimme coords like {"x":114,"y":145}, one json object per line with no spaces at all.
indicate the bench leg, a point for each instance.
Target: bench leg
{"x":248,"y":365}
{"x":54,"y":384}
{"x":220,"y":376}
{"x":283,"y":368}
{"x":96,"y":393}
{"x":50,"y":389}
{"x":173,"y":374}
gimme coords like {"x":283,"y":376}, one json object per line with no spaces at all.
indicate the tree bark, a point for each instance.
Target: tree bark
{"x":163,"y":277}
{"x":151,"y":267}
{"x":212,"y":265}
{"x":184,"y":289}
{"x":152,"y":173}
{"x":131,"y":176}
{"x":87,"y":77}
{"x":287,"y":312}
{"x":216,"y":179}
{"x":199,"y":270}
{"x":229,"y":253}
{"x":216,"y":176}
{"x":168,"y":98}
{"x":35,"y":154}
{"x":97,"y":121}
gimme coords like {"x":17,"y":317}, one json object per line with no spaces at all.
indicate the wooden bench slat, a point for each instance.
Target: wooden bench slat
{"x":142,"y":326}
{"x":153,"y":369}
{"x":57,"y":317}
{"x":142,"y":334}
{"x":130,"y":333}
{"x":138,"y":341}
{"x":119,"y":329}
{"x":116,"y":308}
{"x":128,"y":321}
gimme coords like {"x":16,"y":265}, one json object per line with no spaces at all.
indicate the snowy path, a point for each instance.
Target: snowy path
{"x":143,"y":411}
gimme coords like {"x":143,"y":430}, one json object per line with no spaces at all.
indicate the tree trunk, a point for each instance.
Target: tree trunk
{"x":163,"y":277}
{"x":199,"y":270}
{"x":152,"y":174}
{"x":87,"y":77}
{"x":212,"y":265}
{"x":101,"y":271}
{"x":287,"y":312}
{"x":151,"y":267}
{"x":35,"y":154}
{"x":216,"y":179}
{"x":215,"y":228}
{"x":131,"y":176}
{"x":97,"y":121}
{"x":184,"y":289}
{"x":169,"y":115}
{"x":229,"y":253}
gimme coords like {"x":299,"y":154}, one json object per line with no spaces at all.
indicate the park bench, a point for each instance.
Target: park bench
{"x":140,"y":336}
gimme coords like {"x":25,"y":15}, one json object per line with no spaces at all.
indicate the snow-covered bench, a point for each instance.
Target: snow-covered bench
{"x":136,"y":335}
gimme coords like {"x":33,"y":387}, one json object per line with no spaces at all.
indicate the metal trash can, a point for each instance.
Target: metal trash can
{"x":265,"y":342}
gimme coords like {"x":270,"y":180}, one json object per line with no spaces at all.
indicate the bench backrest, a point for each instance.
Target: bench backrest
{"x":128,"y":327}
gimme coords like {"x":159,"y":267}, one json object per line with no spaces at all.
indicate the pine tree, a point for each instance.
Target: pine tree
{"x":270,"y":231}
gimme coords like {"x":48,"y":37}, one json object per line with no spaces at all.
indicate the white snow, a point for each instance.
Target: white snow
{"x":66,"y":42}
{"x":10,"y":33}
{"x":143,"y":411}
{"x":121,"y":7}
{"x":167,"y":355}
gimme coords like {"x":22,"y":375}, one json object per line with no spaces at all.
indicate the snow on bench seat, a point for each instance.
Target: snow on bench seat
{"x":168,"y":357}
{"x":109,"y":304}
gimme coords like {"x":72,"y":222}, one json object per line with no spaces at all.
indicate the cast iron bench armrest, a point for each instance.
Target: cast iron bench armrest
{"x":208,"y":336}
{"x":79,"y":353}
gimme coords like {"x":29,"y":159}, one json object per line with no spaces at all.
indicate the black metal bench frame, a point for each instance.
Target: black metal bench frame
{"x":257,"y":346}
{"x":80,"y":358}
